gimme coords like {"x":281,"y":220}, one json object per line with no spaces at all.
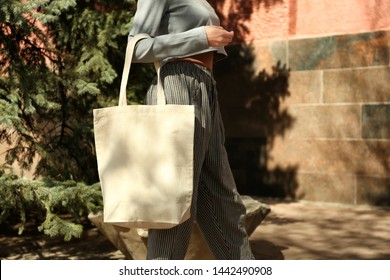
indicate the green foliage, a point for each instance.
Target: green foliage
{"x":47,"y":201}
{"x":60,"y":59}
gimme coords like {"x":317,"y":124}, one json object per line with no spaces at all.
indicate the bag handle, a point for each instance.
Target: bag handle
{"x":126,"y":71}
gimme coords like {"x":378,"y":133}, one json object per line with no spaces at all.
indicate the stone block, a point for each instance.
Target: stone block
{"x":133,"y":242}
{"x":305,"y":87}
{"x":341,"y":51}
{"x":242,"y":122}
{"x":247,"y":158}
{"x":250,"y":96}
{"x":267,"y":54}
{"x":370,"y":158}
{"x":357,"y":85}
{"x":376,"y":121}
{"x":324,"y":121}
{"x":336,"y":187}
{"x":373,"y":191}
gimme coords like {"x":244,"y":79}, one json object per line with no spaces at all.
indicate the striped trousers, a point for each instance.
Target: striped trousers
{"x":216,"y":206}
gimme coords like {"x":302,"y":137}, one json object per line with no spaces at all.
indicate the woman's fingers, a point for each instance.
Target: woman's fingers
{"x":217,"y":36}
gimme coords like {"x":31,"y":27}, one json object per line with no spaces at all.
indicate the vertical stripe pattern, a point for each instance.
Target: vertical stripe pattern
{"x":216,"y":207}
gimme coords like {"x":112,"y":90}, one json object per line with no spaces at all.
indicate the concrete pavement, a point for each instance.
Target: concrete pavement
{"x":322,"y":231}
{"x":292,"y":231}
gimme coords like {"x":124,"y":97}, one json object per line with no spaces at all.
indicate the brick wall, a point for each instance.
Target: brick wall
{"x":309,"y":118}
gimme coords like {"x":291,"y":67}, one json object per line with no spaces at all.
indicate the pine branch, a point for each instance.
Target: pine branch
{"x":32,"y":199}
{"x":60,"y":60}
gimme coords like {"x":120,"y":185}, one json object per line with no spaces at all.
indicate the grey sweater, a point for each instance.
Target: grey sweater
{"x":176,"y":27}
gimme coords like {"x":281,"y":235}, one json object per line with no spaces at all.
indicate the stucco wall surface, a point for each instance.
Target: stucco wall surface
{"x":281,"y":19}
{"x":325,"y":17}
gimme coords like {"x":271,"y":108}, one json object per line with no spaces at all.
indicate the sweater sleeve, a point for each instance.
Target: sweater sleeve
{"x":147,"y":19}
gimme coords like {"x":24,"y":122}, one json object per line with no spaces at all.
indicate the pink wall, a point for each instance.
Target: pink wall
{"x":340,"y":16}
{"x":273,"y":19}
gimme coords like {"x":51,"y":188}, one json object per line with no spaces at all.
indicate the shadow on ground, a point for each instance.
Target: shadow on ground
{"x":306,"y":230}
{"x":292,"y":231}
{"x":91,"y":246}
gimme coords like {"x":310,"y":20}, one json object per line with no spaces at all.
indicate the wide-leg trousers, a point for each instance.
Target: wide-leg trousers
{"x":216,"y":205}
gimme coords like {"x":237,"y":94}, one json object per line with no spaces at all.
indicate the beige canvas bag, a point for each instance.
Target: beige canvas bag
{"x":145,"y":158}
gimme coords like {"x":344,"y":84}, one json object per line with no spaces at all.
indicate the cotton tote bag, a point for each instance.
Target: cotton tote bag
{"x":145,"y":158}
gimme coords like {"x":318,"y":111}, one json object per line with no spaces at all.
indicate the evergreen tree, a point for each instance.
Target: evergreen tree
{"x":59,"y":59}
{"x":58,"y":208}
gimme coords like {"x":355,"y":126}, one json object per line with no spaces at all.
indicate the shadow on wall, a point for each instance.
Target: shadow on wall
{"x":252,"y":112}
{"x":239,"y":11}
{"x":253,"y":117}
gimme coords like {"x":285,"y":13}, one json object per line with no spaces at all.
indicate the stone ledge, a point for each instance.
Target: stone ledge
{"x":132,"y":242}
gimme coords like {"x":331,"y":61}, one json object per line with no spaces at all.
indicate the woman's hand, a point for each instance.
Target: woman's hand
{"x":217,"y":36}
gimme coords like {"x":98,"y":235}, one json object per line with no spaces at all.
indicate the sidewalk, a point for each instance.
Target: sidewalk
{"x":318,"y":231}
{"x":291,"y":231}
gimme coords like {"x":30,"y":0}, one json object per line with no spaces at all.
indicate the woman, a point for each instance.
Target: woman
{"x":187,"y":39}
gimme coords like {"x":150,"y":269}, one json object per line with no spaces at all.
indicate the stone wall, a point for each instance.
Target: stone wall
{"x":29,"y":174}
{"x":341,"y":137}
{"x":309,"y":118}
{"x":305,"y":97}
